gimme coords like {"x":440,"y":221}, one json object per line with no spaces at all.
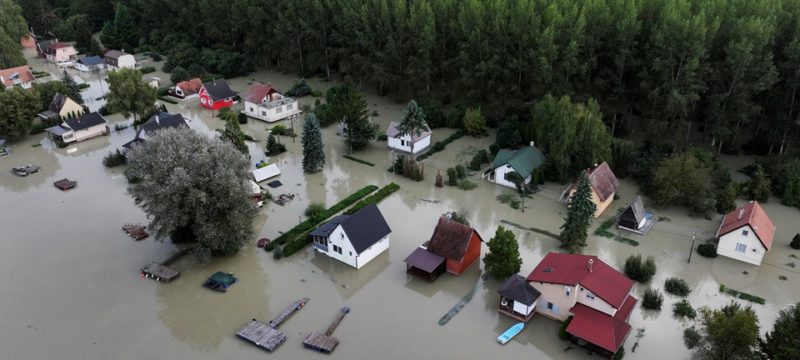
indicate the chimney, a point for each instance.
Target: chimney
{"x":591,"y":261}
{"x":741,"y":213}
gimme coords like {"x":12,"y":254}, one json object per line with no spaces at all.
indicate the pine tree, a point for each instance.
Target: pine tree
{"x":74,"y":91}
{"x":313,"y":151}
{"x":413,"y":123}
{"x":503,"y":259}
{"x":579,"y":217}
{"x":233,"y":134}
{"x":273,"y":146}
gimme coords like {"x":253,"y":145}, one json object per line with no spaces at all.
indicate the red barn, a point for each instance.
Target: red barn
{"x":459,"y":244}
{"x":216,"y":95}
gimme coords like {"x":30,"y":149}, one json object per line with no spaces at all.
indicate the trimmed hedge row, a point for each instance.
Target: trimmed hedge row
{"x":440,"y":145}
{"x":308,"y":225}
{"x":365,"y":162}
{"x":741,"y":295}
{"x":374,"y":198}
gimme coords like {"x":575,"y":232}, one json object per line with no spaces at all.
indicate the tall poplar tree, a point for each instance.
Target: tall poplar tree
{"x":579,"y":217}
{"x":313,"y":148}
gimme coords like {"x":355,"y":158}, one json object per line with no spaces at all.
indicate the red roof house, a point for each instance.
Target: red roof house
{"x":17,"y":76}
{"x":459,"y":244}
{"x":188,"y":88}
{"x":604,"y":186}
{"x":216,"y":95}
{"x":746,"y":234}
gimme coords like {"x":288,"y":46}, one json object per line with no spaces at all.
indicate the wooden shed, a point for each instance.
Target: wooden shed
{"x":459,"y":244}
{"x":635,"y":219}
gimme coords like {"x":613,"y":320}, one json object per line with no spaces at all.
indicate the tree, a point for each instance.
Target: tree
{"x":758,"y":186}
{"x":73,"y":90}
{"x":579,"y":217}
{"x":350,"y":106}
{"x":782,"y":343}
{"x":12,"y":28}
{"x":233,"y":133}
{"x":640,"y":270}
{"x":474,"y":122}
{"x":413,"y":123}
{"x":121,"y":33}
{"x":730,"y":333}
{"x":128,"y":94}
{"x":273,"y":146}
{"x":508,"y":133}
{"x":313,"y":148}
{"x":791,"y":184}
{"x":503,"y":259}
{"x":684,"y":180}
{"x":519,"y":182}
{"x":726,"y":198}
{"x":46,"y":92}
{"x":18,"y":107}
{"x":178,"y":74}
{"x":193,"y":189}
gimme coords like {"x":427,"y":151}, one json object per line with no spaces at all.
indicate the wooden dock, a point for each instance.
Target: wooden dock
{"x":266,"y":336}
{"x":161,"y":272}
{"x":325,"y":343}
{"x":135,"y":231}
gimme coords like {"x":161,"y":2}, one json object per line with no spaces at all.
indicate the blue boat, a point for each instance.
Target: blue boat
{"x":510,"y":333}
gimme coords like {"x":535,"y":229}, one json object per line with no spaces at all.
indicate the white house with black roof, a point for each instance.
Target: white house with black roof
{"x":159,"y":121}
{"x":80,"y":128}
{"x":354,"y":239}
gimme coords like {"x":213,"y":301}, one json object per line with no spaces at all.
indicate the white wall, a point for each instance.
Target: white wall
{"x":556,"y":294}
{"x":500,"y":176}
{"x":259,"y":112}
{"x":403,"y":143}
{"x":371,"y":252}
{"x":597,"y":303}
{"x":524,"y":309}
{"x":754,"y":251}
{"x":91,"y":132}
{"x":126,"y":61}
{"x":338,"y":238}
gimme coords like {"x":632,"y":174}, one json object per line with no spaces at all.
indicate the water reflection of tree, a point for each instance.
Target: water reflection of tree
{"x":349,"y":280}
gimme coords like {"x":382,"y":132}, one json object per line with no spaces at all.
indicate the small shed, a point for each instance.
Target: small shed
{"x":266,"y":172}
{"x":517,"y":298}
{"x":425,"y":264}
{"x":635,"y":219}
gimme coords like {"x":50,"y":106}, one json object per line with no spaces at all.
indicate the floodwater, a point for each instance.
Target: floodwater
{"x":72,"y":288}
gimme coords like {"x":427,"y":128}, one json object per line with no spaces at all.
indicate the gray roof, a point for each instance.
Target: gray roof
{"x":518,"y":289}
{"x":637,"y":207}
{"x":91,"y":60}
{"x":114,"y":54}
{"x":327,"y":228}
{"x":394,"y":132}
{"x":424,"y":260}
{"x":218,"y":89}
{"x":85,"y":121}
{"x":366,"y":227}
{"x":57,"y":103}
{"x":57,"y":130}
{"x":162,"y":120}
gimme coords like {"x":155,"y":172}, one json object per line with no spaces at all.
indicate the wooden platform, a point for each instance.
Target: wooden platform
{"x":135,"y":231}
{"x":325,"y":342}
{"x":159,"y":272}
{"x":266,"y":336}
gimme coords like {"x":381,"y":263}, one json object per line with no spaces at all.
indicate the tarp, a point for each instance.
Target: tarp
{"x":266,"y":172}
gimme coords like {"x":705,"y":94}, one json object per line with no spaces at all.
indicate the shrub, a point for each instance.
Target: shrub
{"x":484,"y":156}
{"x":299,"y":89}
{"x":156,"y":57}
{"x":374,"y":198}
{"x":162,"y":91}
{"x":676,"y":286}
{"x":683,"y":309}
{"x":279,"y":130}
{"x":494,"y":149}
{"x":452,"y":177}
{"x":475,"y":163}
{"x":147,"y":69}
{"x":439,"y":179}
{"x":639,"y":270}
{"x":620,"y":354}
{"x":652,"y":299}
{"x":382,"y":137}
{"x":314,"y":209}
{"x":114,"y":159}
{"x":461,"y":172}
{"x":465,"y":184}
{"x":242,"y":118}
{"x":691,"y":338}
{"x":83,"y":86}
{"x":440,"y":145}
{"x":795,"y":244}
{"x":562,"y":331}
{"x":707,"y":250}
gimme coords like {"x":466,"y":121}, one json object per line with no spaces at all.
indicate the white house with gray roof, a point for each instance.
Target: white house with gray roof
{"x":353,"y":239}
{"x":403,"y":143}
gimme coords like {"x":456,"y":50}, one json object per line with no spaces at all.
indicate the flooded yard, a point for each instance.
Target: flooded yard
{"x":72,"y":288}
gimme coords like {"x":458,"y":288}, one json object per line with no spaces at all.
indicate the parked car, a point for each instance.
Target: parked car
{"x":25,"y":170}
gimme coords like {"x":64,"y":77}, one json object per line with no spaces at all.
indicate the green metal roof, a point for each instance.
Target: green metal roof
{"x":523,"y":161}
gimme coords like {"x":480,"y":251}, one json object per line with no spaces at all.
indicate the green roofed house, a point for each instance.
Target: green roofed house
{"x":523,"y":161}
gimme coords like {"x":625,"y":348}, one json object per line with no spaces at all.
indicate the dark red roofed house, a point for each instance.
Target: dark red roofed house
{"x":596,"y":295}
{"x":746,"y":234}
{"x":264,"y":102}
{"x":216,"y":94}
{"x":453,"y":247}
{"x":17,"y":76}
{"x":604,"y":186}
{"x":188,"y":89}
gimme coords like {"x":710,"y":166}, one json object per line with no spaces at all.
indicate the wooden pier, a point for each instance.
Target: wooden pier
{"x":325,"y":342}
{"x":161,"y":272}
{"x":266,"y":336}
{"x":135,"y":231}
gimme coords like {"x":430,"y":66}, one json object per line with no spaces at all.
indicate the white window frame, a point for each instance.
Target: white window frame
{"x":741,"y":248}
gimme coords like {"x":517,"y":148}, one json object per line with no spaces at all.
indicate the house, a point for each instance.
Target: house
{"x":81,"y":128}
{"x":90,"y":63}
{"x":523,"y":161}
{"x":746,"y":234}
{"x":266,"y":172}
{"x":453,"y":247}
{"x":518,"y":298}
{"x":61,"y":107}
{"x":597,"y":296}
{"x":116,"y":59}
{"x":43,"y":45}
{"x":264,"y":102}
{"x":404,"y":143}
{"x":355,"y":239}
{"x":159,"y":121}
{"x":216,"y":95}
{"x":154,"y":82}
{"x":188,"y":89}
{"x":59,"y":52}
{"x":604,"y":187}
{"x":635,"y":219}
{"x":17,"y":76}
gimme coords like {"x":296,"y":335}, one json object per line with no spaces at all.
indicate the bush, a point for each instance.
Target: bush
{"x":475,"y":163}
{"x":439,"y":179}
{"x":104,"y":110}
{"x":494,"y":149}
{"x":691,"y":338}
{"x":162,"y":91}
{"x":299,"y":89}
{"x":676,"y":286}
{"x":440,"y":145}
{"x":562,"y":331}
{"x":314,"y":209}
{"x":147,"y":69}
{"x":382,"y":137}
{"x":461,"y":172}
{"x":374,"y":198}
{"x":639,"y":270}
{"x":652,"y":299}
{"x":114,"y":159}
{"x":484,"y":156}
{"x":452,"y":177}
{"x":707,"y":250}
{"x":156,"y":57}
{"x":620,"y":354}
{"x":465,"y":184}
{"x":795,"y":244}
{"x":683,"y":309}
{"x":242,"y":118}
{"x":279,"y":130}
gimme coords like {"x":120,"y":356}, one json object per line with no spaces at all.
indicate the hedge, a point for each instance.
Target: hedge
{"x":707,"y":250}
{"x":440,"y":145}
{"x":358,"y":160}
{"x":374,"y":198}
{"x":741,"y":295}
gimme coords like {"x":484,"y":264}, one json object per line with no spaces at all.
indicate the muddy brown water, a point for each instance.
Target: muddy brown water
{"x":72,"y":290}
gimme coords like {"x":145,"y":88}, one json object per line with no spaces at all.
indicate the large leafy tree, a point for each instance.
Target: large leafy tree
{"x":122,"y":32}
{"x":683,"y":180}
{"x":413,"y":123}
{"x":12,"y":27}
{"x":730,"y":333}
{"x":503,"y":259}
{"x":18,"y":107}
{"x":782,"y":343}
{"x":579,"y":216}
{"x":313,"y":148}
{"x":47,"y":90}
{"x":128,"y":94}
{"x":194,"y":190}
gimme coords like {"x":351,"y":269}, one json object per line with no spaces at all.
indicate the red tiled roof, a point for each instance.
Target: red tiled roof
{"x":191,"y":86}
{"x":603,"y":181}
{"x":23,"y":71}
{"x":598,"y":328}
{"x":573,"y":269}
{"x":258,"y":92}
{"x":59,"y":45}
{"x":450,"y":239}
{"x":751,"y":214}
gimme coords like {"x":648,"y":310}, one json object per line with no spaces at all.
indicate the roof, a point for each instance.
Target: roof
{"x":191,"y":86}
{"x":91,"y":60}
{"x":57,"y":103}
{"x":751,"y":214}
{"x":603,"y":330}
{"x":519,"y":290}
{"x":16,"y":75}
{"x":450,"y":238}
{"x":258,"y":92}
{"x":638,"y":208}
{"x":393,"y":131}
{"x":573,"y":269}
{"x":523,"y":161}
{"x":57,"y":130}
{"x":44,"y":44}
{"x":327,"y":228}
{"x":59,"y":45}
{"x":115,"y":54}
{"x":365,"y":227}
{"x":218,"y":89}
{"x":162,"y":120}
{"x":85,"y":121}
{"x":603,"y":181}
{"x":424,"y":260}
{"x":266,"y":172}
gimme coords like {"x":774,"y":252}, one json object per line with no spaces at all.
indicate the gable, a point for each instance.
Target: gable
{"x":451,"y":239}
{"x":751,"y":214}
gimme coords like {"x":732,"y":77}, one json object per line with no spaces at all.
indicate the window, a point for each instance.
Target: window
{"x":741,"y":248}
{"x":549,"y":306}
{"x":337,"y":249}
{"x":289,"y":107}
{"x":252,"y":109}
{"x":263,"y":113}
{"x":567,"y":290}
{"x":351,"y":253}
{"x":278,"y":110}
{"x":342,"y":235}
{"x":589,"y":295}
{"x":745,"y":232}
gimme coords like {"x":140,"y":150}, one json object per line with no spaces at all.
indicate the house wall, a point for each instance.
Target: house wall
{"x":500,"y":177}
{"x":597,"y":303}
{"x":754,"y":251}
{"x":259,"y":112}
{"x":181,"y":92}
{"x":70,"y":107}
{"x":403,"y":144}
{"x":91,"y":132}
{"x":126,"y":61}
{"x":339,"y":238}
{"x":64,"y":54}
{"x":557,"y":295}
{"x":600,"y":205}
{"x":473,"y":253}
{"x":524,"y":309}
{"x":371,"y":252}
{"x":84,"y":68}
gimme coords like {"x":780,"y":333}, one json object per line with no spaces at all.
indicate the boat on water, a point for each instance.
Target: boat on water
{"x":510,"y":333}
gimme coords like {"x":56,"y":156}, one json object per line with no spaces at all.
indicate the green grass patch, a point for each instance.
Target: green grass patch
{"x":365,"y":162}
{"x":741,"y":295}
{"x":467,"y":185}
{"x":604,"y":230}
{"x":167,"y":100}
{"x":440,"y":145}
{"x":83,"y":86}
{"x":511,"y":199}
{"x":531,"y":229}
{"x":374,"y":198}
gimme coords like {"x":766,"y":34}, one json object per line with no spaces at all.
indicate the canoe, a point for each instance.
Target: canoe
{"x":510,"y":333}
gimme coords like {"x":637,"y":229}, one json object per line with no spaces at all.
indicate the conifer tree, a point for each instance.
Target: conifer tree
{"x":413,"y":123}
{"x":758,"y":186}
{"x":73,"y":90}
{"x":233,"y":134}
{"x":313,"y":151}
{"x":579,"y":217}
{"x":503,"y":259}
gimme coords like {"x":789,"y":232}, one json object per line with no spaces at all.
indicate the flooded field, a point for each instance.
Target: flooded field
{"x":72,"y":288}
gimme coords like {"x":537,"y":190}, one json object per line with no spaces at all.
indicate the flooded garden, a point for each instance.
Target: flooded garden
{"x":73,"y":288}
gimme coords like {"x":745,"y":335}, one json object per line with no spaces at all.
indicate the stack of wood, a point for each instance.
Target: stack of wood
{"x":136,"y":231}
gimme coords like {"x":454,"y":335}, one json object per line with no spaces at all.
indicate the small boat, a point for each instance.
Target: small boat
{"x":510,"y":333}
{"x":262,"y":242}
{"x":220,"y":281}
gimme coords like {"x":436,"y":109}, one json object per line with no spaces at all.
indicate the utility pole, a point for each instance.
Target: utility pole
{"x":291,"y":119}
{"x":691,"y":249}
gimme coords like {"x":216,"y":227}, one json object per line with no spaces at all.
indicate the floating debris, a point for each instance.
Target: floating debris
{"x":453,"y":311}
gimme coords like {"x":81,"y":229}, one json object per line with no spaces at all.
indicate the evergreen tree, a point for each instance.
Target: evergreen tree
{"x":503,"y":259}
{"x":349,"y":105}
{"x":123,"y":32}
{"x":313,"y":149}
{"x":73,"y":90}
{"x":273,"y":146}
{"x":782,"y":343}
{"x":233,"y":134}
{"x":758,"y":186}
{"x":579,"y":217}
{"x":413,"y":123}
